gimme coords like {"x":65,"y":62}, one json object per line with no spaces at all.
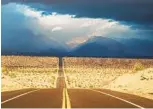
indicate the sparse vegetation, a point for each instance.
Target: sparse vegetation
{"x":28,"y":72}
{"x":4,"y":70}
{"x":138,"y":66}
{"x":29,"y":61}
{"x":98,"y":72}
{"x":92,"y":78}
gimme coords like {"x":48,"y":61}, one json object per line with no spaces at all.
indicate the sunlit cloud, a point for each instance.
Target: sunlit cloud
{"x":76,"y":41}
{"x":67,"y":28}
{"x":57,"y":29}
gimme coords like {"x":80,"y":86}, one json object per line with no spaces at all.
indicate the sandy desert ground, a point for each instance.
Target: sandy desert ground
{"x":20,"y":72}
{"x":134,"y":76}
{"x":139,"y":83}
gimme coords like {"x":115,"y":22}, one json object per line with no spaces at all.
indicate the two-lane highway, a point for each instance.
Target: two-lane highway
{"x":61,"y":97}
{"x":73,"y":98}
{"x":60,"y":83}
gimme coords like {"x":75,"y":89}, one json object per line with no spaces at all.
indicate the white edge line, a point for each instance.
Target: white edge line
{"x":18,"y":96}
{"x":118,"y":98}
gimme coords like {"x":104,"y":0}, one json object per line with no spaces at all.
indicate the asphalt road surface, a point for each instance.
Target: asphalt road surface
{"x":61,"y":97}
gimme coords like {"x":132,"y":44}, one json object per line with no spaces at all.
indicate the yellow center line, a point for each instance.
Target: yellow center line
{"x":67,"y":99}
{"x":64,"y":101}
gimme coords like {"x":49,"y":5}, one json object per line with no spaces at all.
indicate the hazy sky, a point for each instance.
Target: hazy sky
{"x":29,"y":24}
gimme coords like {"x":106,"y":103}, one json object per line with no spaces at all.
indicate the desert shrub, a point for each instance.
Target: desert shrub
{"x":4,"y":70}
{"x":138,"y":67}
{"x":12,"y":74}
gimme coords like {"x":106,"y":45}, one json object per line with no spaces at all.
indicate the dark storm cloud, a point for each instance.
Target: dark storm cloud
{"x":35,"y":1}
{"x":133,"y":11}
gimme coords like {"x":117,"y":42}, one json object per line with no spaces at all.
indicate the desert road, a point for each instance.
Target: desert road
{"x":62,"y":97}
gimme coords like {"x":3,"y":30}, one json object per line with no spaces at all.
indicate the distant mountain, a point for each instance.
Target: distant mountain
{"x":107,"y":47}
{"x":52,"y":51}
{"x":31,"y":44}
{"x":96,"y":46}
{"x":99,"y":46}
{"x":138,"y":47}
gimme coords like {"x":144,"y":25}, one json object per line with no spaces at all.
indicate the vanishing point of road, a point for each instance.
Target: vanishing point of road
{"x":61,"y":97}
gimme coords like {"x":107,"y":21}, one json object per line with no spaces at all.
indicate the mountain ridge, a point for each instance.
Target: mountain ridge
{"x":99,"y":46}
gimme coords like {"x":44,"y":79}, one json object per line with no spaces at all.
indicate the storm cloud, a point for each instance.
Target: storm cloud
{"x":132,"y":11}
{"x":60,"y":27}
